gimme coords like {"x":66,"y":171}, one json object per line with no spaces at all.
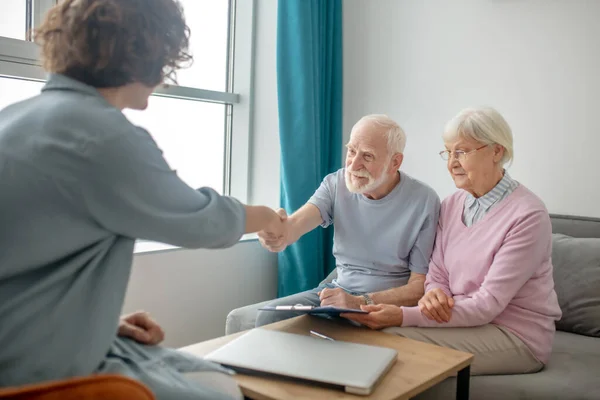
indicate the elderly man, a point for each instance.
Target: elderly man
{"x":385,"y":224}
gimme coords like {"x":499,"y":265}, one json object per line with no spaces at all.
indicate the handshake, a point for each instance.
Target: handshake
{"x":276,"y":236}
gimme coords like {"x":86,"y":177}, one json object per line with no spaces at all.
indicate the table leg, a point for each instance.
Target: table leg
{"x":462,"y":383}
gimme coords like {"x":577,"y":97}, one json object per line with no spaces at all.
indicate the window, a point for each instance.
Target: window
{"x":202,"y":124}
{"x":209,"y":24}
{"x":13,"y":90}
{"x":12,"y":20}
{"x":195,"y":150}
{"x":19,"y":17}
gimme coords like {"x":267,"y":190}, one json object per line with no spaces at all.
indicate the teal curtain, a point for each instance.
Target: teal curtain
{"x":309,"y":88}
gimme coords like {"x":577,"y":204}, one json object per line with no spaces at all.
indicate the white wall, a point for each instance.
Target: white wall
{"x":190,"y":292}
{"x":536,"y":61}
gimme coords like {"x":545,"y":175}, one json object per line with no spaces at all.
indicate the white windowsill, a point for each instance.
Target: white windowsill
{"x":145,"y":247}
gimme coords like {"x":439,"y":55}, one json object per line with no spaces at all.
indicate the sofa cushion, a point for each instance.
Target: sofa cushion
{"x":577,"y":283}
{"x":571,"y":373}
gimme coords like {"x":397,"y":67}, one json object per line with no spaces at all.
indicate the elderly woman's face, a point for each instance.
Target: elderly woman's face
{"x":477,"y":167}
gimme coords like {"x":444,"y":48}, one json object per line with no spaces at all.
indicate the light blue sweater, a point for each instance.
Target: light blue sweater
{"x":78,"y":184}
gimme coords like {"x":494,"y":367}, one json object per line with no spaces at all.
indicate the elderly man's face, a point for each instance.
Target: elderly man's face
{"x":367,"y":159}
{"x":476,"y":169}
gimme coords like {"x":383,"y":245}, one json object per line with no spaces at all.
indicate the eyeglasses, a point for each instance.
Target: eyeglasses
{"x":459,"y":154}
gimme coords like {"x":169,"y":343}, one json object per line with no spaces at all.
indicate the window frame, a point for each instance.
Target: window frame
{"x":20,"y":59}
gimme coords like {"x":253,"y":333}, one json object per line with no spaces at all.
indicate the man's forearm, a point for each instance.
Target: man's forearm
{"x":307,"y":218}
{"x":407,"y":295}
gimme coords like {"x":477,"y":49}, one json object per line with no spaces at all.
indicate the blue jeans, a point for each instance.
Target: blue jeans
{"x":307,"y":298}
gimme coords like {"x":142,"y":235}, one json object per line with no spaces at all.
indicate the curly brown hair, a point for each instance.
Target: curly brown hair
{"x":110,"y":43}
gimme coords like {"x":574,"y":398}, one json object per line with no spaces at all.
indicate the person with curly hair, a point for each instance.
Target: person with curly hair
{"x":80,"y":184}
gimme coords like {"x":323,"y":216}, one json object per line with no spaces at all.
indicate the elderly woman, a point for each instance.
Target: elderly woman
{"x":490,"y":282}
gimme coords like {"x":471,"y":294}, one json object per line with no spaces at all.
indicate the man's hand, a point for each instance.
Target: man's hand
{"x":380,"y":316}
{"x":339,"y":298}
{"x":275,"y":237}
{"x":436,"y":305}
{"x":141,"y":328}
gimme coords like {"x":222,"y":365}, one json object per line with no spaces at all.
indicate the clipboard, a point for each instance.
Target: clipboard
{"x":314,"y":310}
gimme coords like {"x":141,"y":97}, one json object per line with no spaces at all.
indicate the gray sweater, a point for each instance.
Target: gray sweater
{"x":78,"y":184}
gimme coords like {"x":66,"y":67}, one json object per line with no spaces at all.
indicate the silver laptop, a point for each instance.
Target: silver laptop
{"x":354,"y":368}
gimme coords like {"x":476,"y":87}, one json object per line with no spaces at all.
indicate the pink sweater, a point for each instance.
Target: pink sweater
{"x":499,"y":270}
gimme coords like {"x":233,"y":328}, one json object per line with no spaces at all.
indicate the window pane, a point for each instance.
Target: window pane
{"x":14,"y":90}
{"x":208,"y":21}
{"x":191,"y":135}
{"x":12,"y":19}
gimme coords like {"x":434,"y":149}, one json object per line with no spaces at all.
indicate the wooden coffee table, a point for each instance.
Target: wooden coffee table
{"x":419,"y":365}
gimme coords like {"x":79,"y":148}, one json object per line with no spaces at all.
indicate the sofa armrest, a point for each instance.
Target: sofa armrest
{"x":96,"y":387}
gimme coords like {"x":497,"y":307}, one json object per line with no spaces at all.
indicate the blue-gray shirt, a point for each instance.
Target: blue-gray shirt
{"x":377,"y":243}
{"x":476,"y":208}
{"x":78,"y":184}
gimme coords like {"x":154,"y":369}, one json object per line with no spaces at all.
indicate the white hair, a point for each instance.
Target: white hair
{"x":484,"y":125}
{"x":396,"y":137}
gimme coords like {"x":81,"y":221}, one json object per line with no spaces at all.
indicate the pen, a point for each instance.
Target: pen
{"x":320,"y":335}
